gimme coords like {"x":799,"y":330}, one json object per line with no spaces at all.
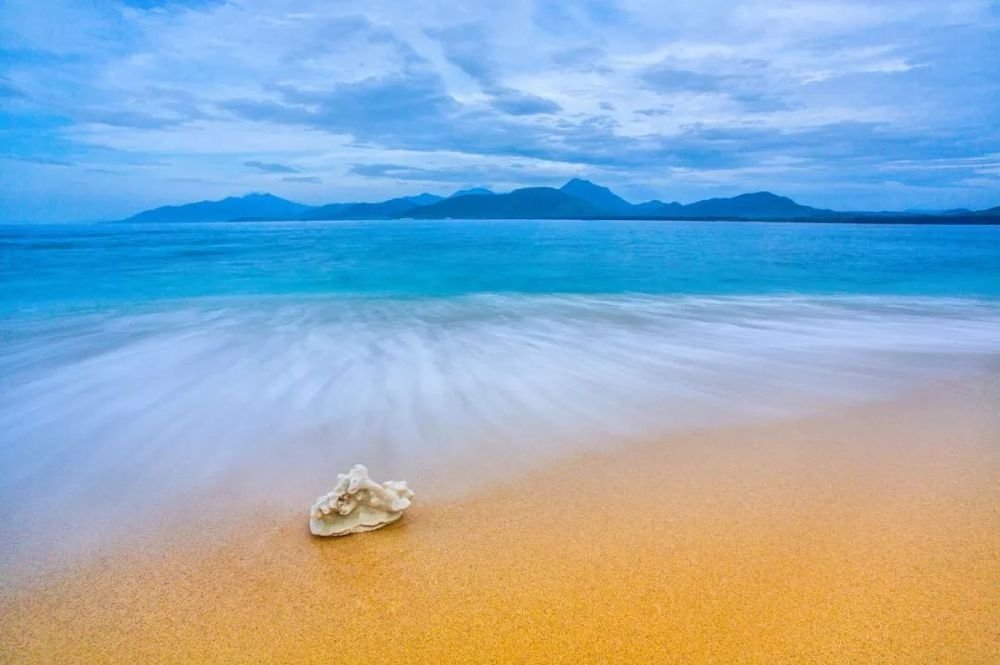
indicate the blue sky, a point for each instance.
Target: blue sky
{"x":108,"y":107}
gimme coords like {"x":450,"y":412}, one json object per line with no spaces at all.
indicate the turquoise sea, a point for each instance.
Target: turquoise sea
{"x":53,"y":266}
{"x":144,"y":366}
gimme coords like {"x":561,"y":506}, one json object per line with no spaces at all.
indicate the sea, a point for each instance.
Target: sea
{"x":144,"y":367}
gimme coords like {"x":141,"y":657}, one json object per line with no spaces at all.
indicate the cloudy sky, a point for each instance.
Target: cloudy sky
{"x":108,"y":107}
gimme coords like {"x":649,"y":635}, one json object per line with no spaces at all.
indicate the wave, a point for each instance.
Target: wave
{"x":123,"y":411}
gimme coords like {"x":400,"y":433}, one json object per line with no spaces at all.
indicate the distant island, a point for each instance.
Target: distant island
{"x":577,"y":199}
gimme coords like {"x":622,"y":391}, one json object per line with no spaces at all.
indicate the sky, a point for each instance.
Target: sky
{"x":110,"y":107}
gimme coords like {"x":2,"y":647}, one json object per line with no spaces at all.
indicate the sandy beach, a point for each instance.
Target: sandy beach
{"x":869,"y":534}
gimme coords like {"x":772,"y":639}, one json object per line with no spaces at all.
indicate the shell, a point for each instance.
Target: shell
{"x":357,"y":504}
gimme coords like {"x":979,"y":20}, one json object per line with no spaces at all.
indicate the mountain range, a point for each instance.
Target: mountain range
{"x":251,"y":205}
{"x":577,"y":199}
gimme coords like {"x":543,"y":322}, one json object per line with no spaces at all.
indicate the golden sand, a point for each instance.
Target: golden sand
{"x":871,"y":535}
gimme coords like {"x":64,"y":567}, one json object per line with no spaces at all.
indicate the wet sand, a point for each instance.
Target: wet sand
{"x":863,"y":535}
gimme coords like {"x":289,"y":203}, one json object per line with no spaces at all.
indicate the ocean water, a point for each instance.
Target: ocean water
{"x":149,"y":366}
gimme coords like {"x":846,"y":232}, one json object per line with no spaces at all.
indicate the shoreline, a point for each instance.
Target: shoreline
{"x":866,"y":533}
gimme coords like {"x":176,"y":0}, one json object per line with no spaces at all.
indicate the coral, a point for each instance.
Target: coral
{"x":357,"y":503}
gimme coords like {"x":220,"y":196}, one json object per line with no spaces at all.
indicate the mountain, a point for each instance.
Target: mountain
{"x":601,"y":198}
{"x":527,"y":203}
{"x":474,"y":191}
{"x":760,"y":205}
{"x":424,"y":199}
{"x":328,"y":211}
{"x":261,"y":206}
{"x":577,"y":199}
{"x":656,"y":208}
{"x":384,"y":210}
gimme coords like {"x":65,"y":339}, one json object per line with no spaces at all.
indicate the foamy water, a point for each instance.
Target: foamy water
{"x":108,"y":412}
{"x":134,"y":389}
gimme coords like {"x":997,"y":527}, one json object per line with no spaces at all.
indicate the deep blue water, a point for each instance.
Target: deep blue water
{"x":143,"y":365}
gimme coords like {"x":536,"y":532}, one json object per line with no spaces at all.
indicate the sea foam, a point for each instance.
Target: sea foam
{"x":125,"y":413}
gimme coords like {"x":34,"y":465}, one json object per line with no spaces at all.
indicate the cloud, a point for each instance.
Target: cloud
{"x":671,"y":79}
{"x":171,"y":4}
{"x":580,"y":16}
{"x":8,"y":91}
{"x":270,"y":167}
{"x":466,"y":46}
{"x":471,"y":175}
{"x":666,"y":100}
{"x":515,"y":102}
{"x":39,"y":160}
{"x":130,"y":118}
{"x":306,"y":179}
{"x":587,"y":58}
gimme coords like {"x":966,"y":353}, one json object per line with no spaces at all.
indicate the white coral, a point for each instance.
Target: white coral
{"x":357,"y":503}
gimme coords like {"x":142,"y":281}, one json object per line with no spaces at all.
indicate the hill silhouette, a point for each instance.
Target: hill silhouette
{"x":234,"y":207}
{"x":601,"y":198}
{"x":577,"y":199}
{"x":759,"y":205}
{"x":527,"y":203}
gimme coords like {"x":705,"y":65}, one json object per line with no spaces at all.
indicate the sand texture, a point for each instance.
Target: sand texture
{"x":866,"y":535}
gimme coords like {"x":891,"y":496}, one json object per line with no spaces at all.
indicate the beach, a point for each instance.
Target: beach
{"x":862,"y":534}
